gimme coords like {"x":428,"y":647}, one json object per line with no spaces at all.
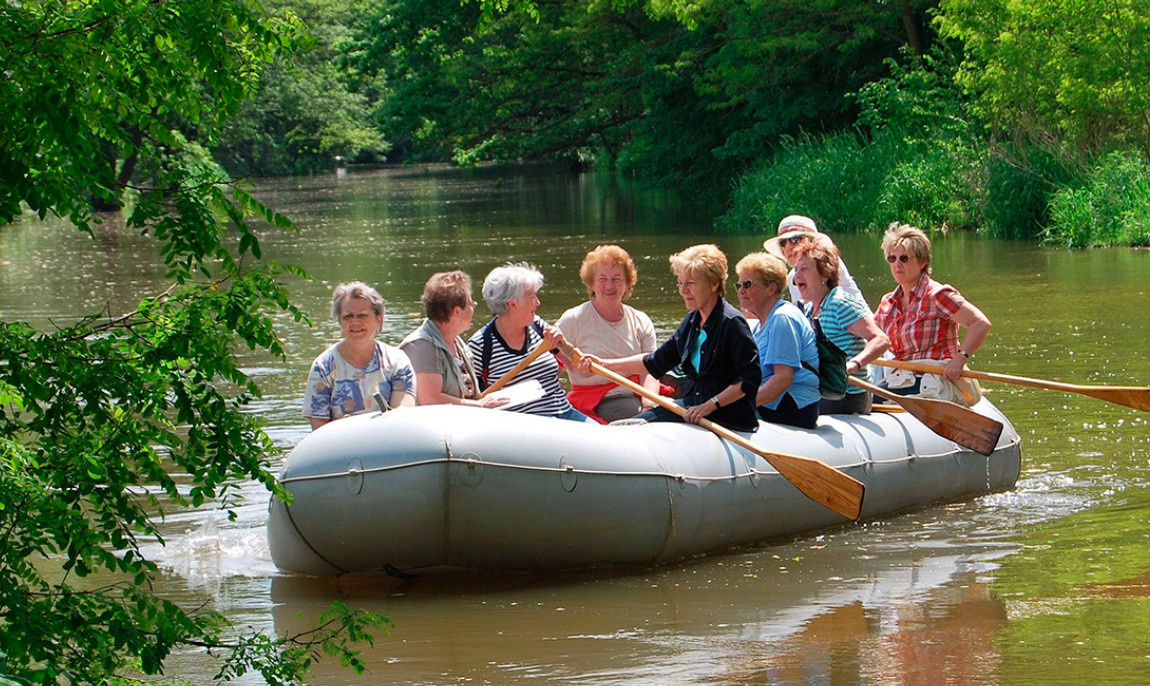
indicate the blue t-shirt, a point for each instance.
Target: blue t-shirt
{"x":787,"y":338}
{"x":838,"y":311}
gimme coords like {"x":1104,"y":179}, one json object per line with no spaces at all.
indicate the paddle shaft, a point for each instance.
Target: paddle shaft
{"x":523,"y":364}
{"x":821,"y":483}
{"x":1137,"y":397}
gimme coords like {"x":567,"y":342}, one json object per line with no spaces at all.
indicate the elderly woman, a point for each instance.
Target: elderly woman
{"x":713,"y":346}
{"x":511,"y":292}
{"x":843,"y":324}
{"x":795,"y":230}
{"x":442,"y":362}
{"x":604,"y":326}
{"x":787,"y":350}
{"x":921,"y":317}
{"x":346,"y":376}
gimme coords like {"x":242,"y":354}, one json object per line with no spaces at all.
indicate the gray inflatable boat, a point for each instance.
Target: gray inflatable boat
{"x":431,"y":489}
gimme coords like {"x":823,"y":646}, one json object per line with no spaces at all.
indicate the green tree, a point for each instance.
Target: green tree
{"x":111,"y":421}
{"x":684,"y":92}
{"x":1067,"y":75}
{"x":311,"y":109}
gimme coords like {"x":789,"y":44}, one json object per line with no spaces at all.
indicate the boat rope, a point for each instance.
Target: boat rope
{"x":596,"y":472}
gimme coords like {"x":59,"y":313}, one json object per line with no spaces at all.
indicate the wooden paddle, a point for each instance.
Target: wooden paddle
{"x":950,"y":420}
{"x":1137,"y":397}
{"x":820,"y":482}
{"x":523,"y":364}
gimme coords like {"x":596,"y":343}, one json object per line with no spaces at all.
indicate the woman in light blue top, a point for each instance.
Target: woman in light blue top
{"x":789,"y":393}
{"x":841,"y":317}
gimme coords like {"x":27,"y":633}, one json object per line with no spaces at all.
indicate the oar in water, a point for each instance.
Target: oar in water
{"x":523,"y":364}
{"x":820,"y":482}
{"x":950,"y":420}
{"x":1137,"y":397}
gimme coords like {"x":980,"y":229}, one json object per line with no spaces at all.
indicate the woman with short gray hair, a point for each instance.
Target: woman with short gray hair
{"x":345,"y":377}
{"x":511,"y":292}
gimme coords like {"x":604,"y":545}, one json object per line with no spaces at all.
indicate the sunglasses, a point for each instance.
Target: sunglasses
{"x":791,"y":239}
{"x":898,"y":258}
{"x":744,"y":285}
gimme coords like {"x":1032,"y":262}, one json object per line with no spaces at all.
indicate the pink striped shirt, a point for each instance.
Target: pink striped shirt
{"x":925,"y":329}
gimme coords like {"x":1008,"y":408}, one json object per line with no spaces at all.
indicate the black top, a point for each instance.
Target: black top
{"x":729,"y":355}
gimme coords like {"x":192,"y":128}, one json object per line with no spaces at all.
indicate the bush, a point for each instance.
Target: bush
{"x":850,"y":182}
{"x":1110,"y":207}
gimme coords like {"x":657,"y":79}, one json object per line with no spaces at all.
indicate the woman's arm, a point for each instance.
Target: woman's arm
{"x":977,"y":327}
{"x":776,"y":384}
{"x":877,"y":343}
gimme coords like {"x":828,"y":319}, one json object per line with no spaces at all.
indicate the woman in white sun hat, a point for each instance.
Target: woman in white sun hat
{"x":794,"y":230}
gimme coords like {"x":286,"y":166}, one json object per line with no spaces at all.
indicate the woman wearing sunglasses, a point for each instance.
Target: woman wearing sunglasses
{"x":795,"y":231}
{"x":788,"y":351}
{"x":922,"y":316}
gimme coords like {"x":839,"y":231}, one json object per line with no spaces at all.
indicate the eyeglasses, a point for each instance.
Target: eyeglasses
{"x":898,"y":258}
{"x":744,"y":285}
{"x":791,"y":239}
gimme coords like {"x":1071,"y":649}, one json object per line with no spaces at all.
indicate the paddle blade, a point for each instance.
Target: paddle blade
{"x":1130,"y":396}
{"x":821,"y":483}
{"x":956,"y":423}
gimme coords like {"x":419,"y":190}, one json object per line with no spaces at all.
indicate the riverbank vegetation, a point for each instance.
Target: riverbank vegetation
{"x":1025,"y":121}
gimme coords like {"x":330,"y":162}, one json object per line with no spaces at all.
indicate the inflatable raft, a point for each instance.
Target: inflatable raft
{"x":430,"y":489}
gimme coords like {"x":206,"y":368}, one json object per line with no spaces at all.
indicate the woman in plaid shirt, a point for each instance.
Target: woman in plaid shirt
{"x":921,"y":317}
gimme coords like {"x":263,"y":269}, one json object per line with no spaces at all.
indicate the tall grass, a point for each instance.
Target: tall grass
{"x":849,"y":182}
{"x":1110,"y":206}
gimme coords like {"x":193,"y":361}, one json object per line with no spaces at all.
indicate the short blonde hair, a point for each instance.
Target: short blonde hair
{"x":610,"y":256}
{"x":909,"y":238}
{"x":704,"y":261}
{"x":769,"y":269}
{"x":824,"y":254}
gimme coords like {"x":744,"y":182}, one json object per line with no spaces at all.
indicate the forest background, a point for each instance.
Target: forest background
{"x":1024,"y":120}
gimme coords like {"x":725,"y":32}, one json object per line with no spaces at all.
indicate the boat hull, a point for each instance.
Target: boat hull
{"x":439,"y":488}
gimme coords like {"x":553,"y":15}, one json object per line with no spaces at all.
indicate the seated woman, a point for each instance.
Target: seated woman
{"x":785,"y":341}
{"x":921,"y":317}
{"x":443,"y":365}
{"x":511,"y":293}
{"x":604,"y":326}
{"x":713,"y":346}
{"x":346,"y":376}
{"x":840,"y":319}
{"x":796,"y":230}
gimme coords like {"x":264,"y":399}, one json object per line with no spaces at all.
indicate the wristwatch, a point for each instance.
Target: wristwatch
{"x":715,"y":400}
{"x":965,"y":354}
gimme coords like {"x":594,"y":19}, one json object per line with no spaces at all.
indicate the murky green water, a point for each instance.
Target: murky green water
{"x":1046,"y":584}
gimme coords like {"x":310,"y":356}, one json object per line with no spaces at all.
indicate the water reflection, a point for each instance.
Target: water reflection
{"x":791,"y":614}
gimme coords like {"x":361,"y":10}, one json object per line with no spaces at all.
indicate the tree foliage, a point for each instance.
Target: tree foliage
{"x":312,"y":110}
{"x":680,"y":91}
{"x":110,"y":422}
{"x":1069,"y":75}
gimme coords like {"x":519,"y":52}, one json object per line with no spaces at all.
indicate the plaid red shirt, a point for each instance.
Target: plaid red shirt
{"x":925,"y":329}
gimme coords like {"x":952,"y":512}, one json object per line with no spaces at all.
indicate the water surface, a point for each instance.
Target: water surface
{"x":1045,"y":584}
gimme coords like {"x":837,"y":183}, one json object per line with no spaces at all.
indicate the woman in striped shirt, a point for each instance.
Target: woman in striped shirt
{"x":511,"y":291}
{"x":840,"y":317}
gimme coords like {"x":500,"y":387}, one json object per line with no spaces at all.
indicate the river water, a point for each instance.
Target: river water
{"x":1048,"y":583}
